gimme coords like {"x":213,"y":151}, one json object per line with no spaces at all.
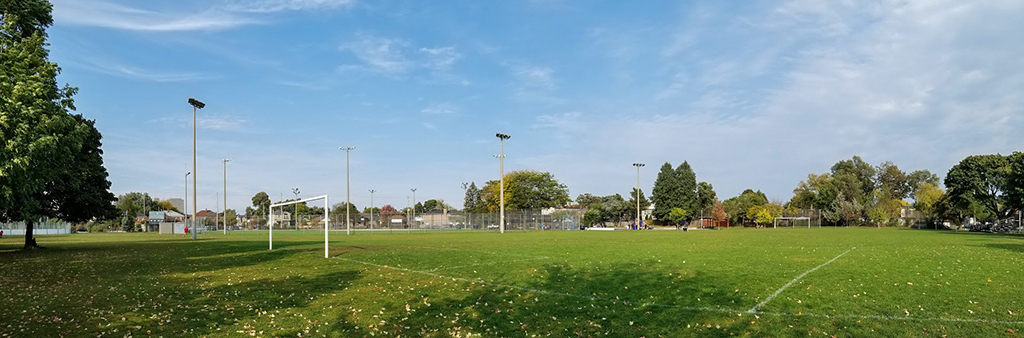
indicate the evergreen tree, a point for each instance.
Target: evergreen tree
{"x":665,"y":193}
{"x":472,"y":200}
{"x":687,"y":189}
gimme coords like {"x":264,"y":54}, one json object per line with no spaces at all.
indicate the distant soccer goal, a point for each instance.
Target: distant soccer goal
{"x":326,"y":219}
{"x":793,"y":219}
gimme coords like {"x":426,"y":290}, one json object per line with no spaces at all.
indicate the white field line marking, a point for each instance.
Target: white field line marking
{"x":784,"y":287}
{"x":695,"y":308}
{"x":487,"y":263}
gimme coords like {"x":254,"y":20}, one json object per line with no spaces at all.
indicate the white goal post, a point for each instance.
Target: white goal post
{"x":793,"y":218}
{"x":327,"y":219}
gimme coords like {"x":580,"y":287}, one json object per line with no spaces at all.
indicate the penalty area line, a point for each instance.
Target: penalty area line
{"x":784,"y":287}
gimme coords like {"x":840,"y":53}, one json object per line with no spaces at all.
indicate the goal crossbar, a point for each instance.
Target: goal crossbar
{"x":327,"y":218}
{"x":793,"y":218}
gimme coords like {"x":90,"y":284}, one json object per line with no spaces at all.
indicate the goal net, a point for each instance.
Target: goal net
{"x":283,"y":218}
{"x":792,"y":221}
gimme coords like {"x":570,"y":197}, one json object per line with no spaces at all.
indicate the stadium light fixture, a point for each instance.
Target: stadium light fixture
{"x":196,"y":104}
{"x":637,"y":197}
{"x":348,"y":214}
{"x":501,"y":166}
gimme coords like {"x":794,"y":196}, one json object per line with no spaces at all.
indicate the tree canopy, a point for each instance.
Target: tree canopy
{"x":526,"y":190}
{"x":50,"y":160}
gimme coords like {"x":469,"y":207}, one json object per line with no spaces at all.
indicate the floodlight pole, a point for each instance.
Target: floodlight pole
{"x":465,"y":190}
{"x":413,"y":208}
{"x":371,"y":209}
{"x":348,"y":204}
{"x":295,"y":217}
{"x":196,"y":104}
{"x":501,"y":166}
{"x":186,"y":199}
{"x":226,"y":160}
{"x":637,"y":197}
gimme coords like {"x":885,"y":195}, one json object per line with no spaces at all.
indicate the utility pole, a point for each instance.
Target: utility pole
{"x":637,"y":197}
{"x":348,"y":203}
{"x":196,"y":104}
{"x":371,"y":209}
{"x":413,"y":208}
{"x":465,"y":209}
{"x":225,"y":161}
{"x":501,"y":166}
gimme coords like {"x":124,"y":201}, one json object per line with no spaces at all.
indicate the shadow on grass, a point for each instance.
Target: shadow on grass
{"x":162,"y":287}
{"x":623,"y":301}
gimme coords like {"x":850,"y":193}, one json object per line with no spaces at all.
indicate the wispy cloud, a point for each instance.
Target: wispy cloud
{"x":218,"y":122}
{"x":111,"y":67}
{"x":379,"y":54}
{"x":534,"y":84}
{"x":444,"y":108}
{"x":116,"y":15}
{"x":271,"y":6}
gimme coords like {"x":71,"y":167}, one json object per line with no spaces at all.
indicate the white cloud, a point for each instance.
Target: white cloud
{"x":441,"y":109}
{"x":110,"y":67}
{"x":378,"y":54}
{"x":441,"y":58}
{"x":116,"y":15}
{"x":534,"y":77}
{"x":270,"y":6}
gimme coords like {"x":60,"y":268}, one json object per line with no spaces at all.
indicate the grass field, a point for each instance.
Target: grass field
{"x":847,"y":282}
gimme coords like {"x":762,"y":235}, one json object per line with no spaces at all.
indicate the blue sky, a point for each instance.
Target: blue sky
{"x":753,"y":94}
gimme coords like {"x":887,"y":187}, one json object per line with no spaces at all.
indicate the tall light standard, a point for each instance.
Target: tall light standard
{"x":196,"y":104}
{"x":413,"y":208}
{"x":371,"y":208}
{"x":295,"y":208}
{"x":637,"y":197}
{"x":348,"y":204}
{"x":186,"y":198}
{"x":225,"y":161}
{"x":501,"y":165}
{"x":465,"y":208}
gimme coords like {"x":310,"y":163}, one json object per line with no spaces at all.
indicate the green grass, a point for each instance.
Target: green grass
{"x":561,"y":284}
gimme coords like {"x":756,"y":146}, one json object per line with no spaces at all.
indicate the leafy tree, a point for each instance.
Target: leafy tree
{"x":1015,"y":181}
{"x":706,"y":197}
{"x":50,"y":164}
{"x":261,"y":204}
{"x":644,"y":203}
{"x":854,"y":178}
{"x":340,"y":211}
{"x":230,"y":217}
{"x":593,"y":215}
{"x":765,"y":214}
{"x":917,"y":177}
{"x":884,"y":209}
{"x":893,"y":181}
{"x":737,"y":207}
{"x":527,"y":190}
{"x":387,"y":211}
{"x":586,"y":200}
{"x":719,"y":212}
{"x":981,"y":180}
{"x":927,"y":197}
{"x":614,"y":208}
{"x":847,"y":211}
{"x":678,"y":216}
{"x":667,"y":192}
{"x":165,"y":205}
{"x":817,"y":191}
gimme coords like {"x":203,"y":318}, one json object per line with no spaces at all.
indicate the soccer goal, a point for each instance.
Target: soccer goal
{"x":326,"y":219}
{"x":794,"y":219}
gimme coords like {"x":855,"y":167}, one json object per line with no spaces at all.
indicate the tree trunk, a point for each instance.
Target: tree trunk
{"x":30,"y":240}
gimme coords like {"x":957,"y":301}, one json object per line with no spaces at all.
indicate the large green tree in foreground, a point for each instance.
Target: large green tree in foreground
{"x":50,"y":161}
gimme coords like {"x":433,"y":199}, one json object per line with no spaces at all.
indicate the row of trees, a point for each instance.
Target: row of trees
{"x":677,"y":196}
{"x":524,"y":189}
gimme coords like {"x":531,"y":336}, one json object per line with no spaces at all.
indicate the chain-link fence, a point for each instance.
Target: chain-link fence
{"x":515,"y":220}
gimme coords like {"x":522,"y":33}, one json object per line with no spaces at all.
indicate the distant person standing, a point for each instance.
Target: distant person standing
{"x":186,"y":231}
{"x":1,"y":234}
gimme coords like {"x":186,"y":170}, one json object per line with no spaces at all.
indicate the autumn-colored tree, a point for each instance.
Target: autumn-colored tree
{"x":719,"y":213}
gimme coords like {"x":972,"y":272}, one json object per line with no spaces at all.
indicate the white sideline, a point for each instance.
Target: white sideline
{"x":784,"y":287}
{"x":698,"y":308}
